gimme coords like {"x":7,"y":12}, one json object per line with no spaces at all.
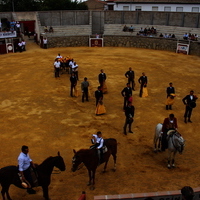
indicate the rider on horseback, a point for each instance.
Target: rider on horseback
{"x":98,"y":142}
{"x":25,"y":163}
{"x":169,"y":123}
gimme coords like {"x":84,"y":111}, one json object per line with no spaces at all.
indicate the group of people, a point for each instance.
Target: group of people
{"x":166,"y":35}
{"x":50,"y":30}
{"x":21,"y":46}
{"x":189,"y":36}
{"x":128,"y":28}
{"x":147,"y":31}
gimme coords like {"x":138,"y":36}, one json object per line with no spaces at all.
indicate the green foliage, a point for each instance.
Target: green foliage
{"x":40,"y":5}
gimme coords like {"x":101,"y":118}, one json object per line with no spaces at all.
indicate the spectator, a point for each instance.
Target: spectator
{"x":196,"y":37}
{"x":131,"y":28}
{"x":161,"y":35}
{"x":173,"y":36}
{"x":125,"y":28}
{"x":185,"y":36}
{"x":187,"y":193}
{"x":51,"y":29}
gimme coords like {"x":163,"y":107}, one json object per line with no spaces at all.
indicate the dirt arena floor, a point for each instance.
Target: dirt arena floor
{"x":37,"y":110}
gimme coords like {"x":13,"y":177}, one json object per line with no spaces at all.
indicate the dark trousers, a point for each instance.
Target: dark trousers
{"x":141,"y":90}
{"x":168,"y":107}
{"x":76,"y":74}
{"x":45,"y":46}
{"x":127,"y":122}
{"x":188,"y":112}
{"x":85,"y":94}
{"x":57,"y":72}
{"x":27,"y":175}
{"x":72,"y":89}
{"x":132,"y":82}
{"x":125,"y":102}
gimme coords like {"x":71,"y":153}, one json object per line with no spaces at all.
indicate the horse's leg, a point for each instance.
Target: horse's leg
{"x":45,"y":192}
{"x":115,"y":159}
{"x":93,"y":179}
{"x":90,"y":177}
{"x":155,"y":143}
{"x":159,"y":144}
{"x":173,"y":159}
{"x":4,"y":191}
{"x":169,"y":159}
{"x":105,"y":166}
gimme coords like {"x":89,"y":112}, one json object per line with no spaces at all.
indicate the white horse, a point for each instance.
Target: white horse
{"x":157,"y":137}
{"x":176,"y":143}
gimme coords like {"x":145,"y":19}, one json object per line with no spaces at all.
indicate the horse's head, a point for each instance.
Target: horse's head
{"x":179,"y":142}
{"x":59,"y":162}
{"x":76,"y":160}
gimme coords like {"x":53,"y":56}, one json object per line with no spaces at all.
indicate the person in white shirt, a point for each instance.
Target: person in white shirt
{"x":20,"y":46}
{"x":25,"y":163}
{"x":23,"y":45}
{"x":45,"y":43}
{"x":98,"y":142}
{"x":71,"y":65}
{"x":59,"y":56}
{"x":57,"y":68}
{"x":75,"y":70}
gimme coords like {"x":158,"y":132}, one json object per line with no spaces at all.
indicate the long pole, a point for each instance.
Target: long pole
{"x":13,"y":6}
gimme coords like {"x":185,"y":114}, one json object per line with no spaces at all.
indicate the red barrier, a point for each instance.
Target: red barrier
{"x":83,"y":196}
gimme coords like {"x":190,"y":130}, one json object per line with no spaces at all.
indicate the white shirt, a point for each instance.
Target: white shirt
{"x":57,"y":64}
{"x":24,"y":161}
{"x":74,"y":68}
{"x":19,"y":44}
{"x":45,"y":41}
{"x":58,"y":56}
{"x":191,"y":97}
{"x":98,"y":141}
{"x":24,"y":43}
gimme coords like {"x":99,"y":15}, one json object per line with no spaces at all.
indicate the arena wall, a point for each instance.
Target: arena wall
{"x":124,"y":41}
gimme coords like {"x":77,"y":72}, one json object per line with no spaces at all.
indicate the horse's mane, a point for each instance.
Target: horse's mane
{"x":47,"y":160}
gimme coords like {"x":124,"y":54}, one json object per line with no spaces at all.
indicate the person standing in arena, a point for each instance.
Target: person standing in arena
{"x":143,"y":83}
{"x":131,"y":76}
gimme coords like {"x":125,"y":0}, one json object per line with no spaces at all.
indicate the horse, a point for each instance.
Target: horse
{"x":175,"y":143}
{"x":89,"y":158}
{"x":157,"y":137}
{"x":9,"y":175}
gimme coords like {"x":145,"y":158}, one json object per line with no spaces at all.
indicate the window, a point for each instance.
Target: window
{"x":154,"y":8}
{"x":179,"y":9}
{"x":126,"y":8}
{"x":138,"y":8}
{"x":195,"y":9}
{"x":166,"y":8}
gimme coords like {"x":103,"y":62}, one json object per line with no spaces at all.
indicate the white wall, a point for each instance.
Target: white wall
{"x":148,"y":7}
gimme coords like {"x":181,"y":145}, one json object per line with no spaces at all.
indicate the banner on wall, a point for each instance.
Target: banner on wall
{"x":96,"y":42}
{"x":8,"y":34}
{"x":182,"y":48}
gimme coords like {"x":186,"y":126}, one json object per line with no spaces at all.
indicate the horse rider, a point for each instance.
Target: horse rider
{"x":25,"y":164}
{"x":98,"y":142}
{"x":170,"y":123}
{"x":190,"y":102}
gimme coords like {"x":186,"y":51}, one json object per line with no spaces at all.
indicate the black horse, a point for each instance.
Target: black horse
{"x":9,"y":175}
{"x":90,"y":159}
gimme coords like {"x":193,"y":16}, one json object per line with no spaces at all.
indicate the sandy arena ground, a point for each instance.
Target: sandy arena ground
{"x":37,"y":110}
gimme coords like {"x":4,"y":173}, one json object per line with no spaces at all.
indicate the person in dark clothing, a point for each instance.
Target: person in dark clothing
{"x":190,"y":102}
{"x":126,"y":93}
{"x":129,"y":113}
{"x":73,"y":80}
{"x":102,"y":78}
{"x":98,"y":95}
{"x":143,"y":83}
{"x":131,"y":76}
{"x":84,"y":87}
{"x":170,"y":123}
{"x":170,"y":90}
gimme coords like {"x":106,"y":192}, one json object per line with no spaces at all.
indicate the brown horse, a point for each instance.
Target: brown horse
{"x":9,"y":175}
{"x":90,"y":159}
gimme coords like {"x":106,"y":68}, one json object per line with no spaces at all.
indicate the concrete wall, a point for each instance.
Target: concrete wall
{"x":124,"y":41}
{"x":61,"y":18}
{"x":154,"y":18}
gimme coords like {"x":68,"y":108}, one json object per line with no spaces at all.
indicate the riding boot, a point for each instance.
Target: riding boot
{"x":166,"y":107}
{"x":189,"y":120}
{"x":170,"y":107}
